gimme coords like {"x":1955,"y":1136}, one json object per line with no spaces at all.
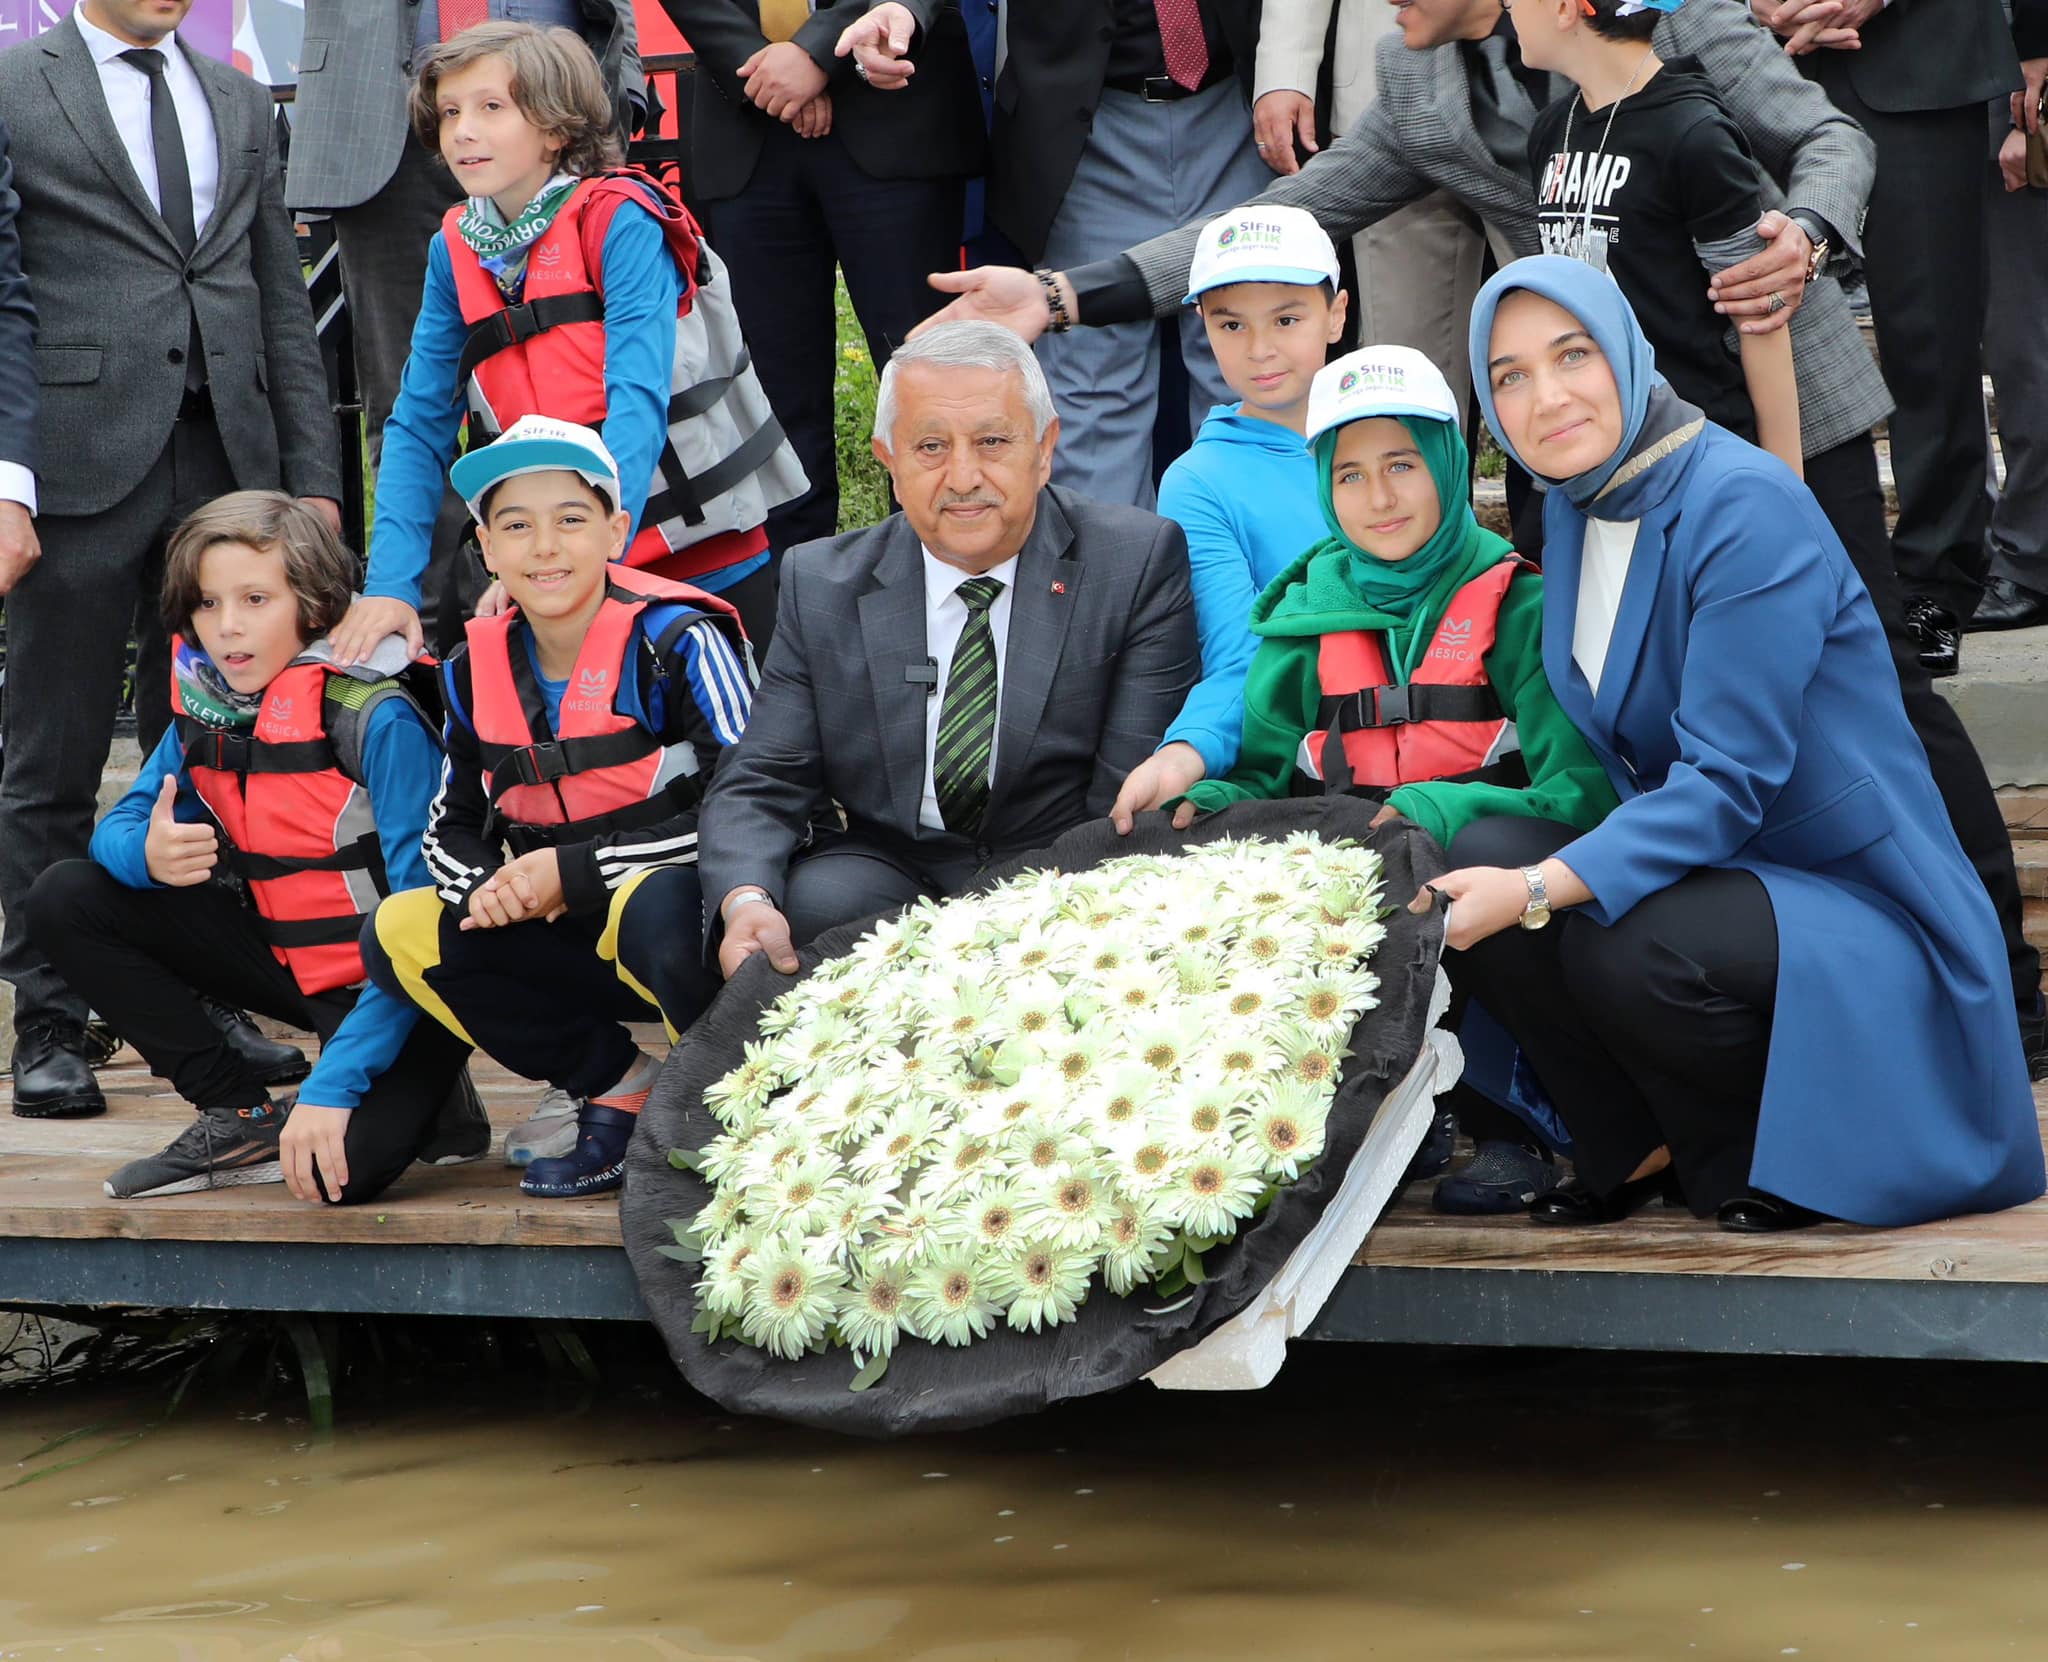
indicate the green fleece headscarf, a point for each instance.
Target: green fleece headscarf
{"x":1413,"y":592}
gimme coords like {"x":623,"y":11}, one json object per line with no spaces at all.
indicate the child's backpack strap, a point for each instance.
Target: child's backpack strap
{"x":349,"y":704}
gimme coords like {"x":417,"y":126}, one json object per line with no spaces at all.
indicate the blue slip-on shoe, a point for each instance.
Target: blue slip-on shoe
{"x":596,"y":1164}
{"x":1500,"y":1177}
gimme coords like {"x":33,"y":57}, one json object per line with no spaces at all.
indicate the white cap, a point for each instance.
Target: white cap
{"x":535,"y":444}
{"x":1378,"y":381}
{"x":1261,"y":245}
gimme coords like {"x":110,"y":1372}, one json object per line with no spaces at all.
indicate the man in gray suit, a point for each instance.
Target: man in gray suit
{"x":19,"y":547}
{"x":176,"y":359}
{"x":353,"y":155}
{"x":968,"y":679}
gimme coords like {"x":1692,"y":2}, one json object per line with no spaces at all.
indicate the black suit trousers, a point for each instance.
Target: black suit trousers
{"x":1924,"y":260}
{"x":67,"y":638}
{"x":809,"y":208}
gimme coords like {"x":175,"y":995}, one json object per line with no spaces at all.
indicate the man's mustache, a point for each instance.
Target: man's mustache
{"x":973,"y":499}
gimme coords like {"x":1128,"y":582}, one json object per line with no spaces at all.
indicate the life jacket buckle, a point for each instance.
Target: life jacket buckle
{"x":1390,"y":707}
{"x":519,"y":323}
{"x":230,"y":751}
{"x":540,"y":764}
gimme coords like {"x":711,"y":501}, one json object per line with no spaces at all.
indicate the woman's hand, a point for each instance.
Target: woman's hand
{"x":1168,"y":772}
{"x":492,"y":602}
{"x":1485,"y":900}
{"x":1386,"y":816}
{"x":369,"y":620}
{"x":312,"y":1140}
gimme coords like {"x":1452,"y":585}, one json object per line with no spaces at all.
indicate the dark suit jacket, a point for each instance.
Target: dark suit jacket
{"x":930,"y":129}
{"x":1045,"y":102}
{"x":114,"y":320}
{"x":1926,"y":55}
{"x":17,"y":330}
{"x":1093,"y":671}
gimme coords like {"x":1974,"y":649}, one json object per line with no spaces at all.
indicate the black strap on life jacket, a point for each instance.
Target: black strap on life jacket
{"x":1372,"y":707}
{"x":684,"y":494}
{"x":516,"y":325}
{"x":296,"y":932}
{"x":225,"y":751}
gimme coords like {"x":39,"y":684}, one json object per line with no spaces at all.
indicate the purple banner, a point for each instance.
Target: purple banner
{"x":209,"y":27}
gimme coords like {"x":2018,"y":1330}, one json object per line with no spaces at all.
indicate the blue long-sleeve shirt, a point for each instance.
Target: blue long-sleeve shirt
{"x":402,"y":770}
{"x":1245,"y":494}
{"x":642,"y":288}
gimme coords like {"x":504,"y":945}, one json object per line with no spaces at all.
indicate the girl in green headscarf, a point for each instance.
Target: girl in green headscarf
{"x":1401,"y":656}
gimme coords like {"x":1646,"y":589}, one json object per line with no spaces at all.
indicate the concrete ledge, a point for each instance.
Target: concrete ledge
{"x":2002,"y":696}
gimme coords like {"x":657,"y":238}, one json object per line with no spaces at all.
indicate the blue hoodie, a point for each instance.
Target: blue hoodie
{"x":1245,"y":494}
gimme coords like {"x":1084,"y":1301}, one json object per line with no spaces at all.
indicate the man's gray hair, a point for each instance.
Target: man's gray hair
{"x":967,"y":346}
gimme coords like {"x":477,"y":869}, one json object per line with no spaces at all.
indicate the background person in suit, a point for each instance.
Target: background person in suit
{"x":968,"y":679}
{"x":1916,"y":78}
{"x":176,"y":360}
{"x":19,"y":549}
{"x":1418,"y":268}
{"x":353,"y":156}
{"x":796,"y":166}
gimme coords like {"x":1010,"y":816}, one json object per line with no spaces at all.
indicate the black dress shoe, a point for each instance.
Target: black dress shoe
{"x":1757,"y":1213}
{"x":1938,"y":633}
{"x":1571,"y":1202}
{"x":52,"y":1080}
{"x":2006,"y":605}
{"x":270,"y":1060}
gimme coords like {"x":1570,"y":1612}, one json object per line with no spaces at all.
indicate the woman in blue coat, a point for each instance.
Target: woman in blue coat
{"x":1773,"y":984}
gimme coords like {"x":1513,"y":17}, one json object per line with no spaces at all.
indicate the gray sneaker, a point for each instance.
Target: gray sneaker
{"x":1500,"y":1177}
{"x":221,"y":1148}
{"x":549,"y":1135}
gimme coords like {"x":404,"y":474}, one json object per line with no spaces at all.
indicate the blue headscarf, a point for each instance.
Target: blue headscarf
{"x":1650,"y":410}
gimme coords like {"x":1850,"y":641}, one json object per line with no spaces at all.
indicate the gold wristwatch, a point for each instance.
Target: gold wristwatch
{"x":1537,"y":913}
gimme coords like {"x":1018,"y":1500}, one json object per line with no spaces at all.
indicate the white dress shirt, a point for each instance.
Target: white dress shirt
{"x":127,"y":90}
{"x":1603,"y":574}
{"x":945,"y":615}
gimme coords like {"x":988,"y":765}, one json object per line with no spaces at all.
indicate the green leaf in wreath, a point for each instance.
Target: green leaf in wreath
{"x":1191,"y":1267}
{"x":877,"y":1366}
{"x":686,"y":1159}
{"x":682,"y":1253}
{"x":1171,"y":1284}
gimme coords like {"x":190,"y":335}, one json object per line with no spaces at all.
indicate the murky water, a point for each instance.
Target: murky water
{"x":1373,"y":1504}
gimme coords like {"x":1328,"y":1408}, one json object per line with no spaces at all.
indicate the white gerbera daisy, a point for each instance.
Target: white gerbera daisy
{"x":725,"y":1158}
{"x":905,"y":1141}
{"x":949,"y":1299}
{"x":1286,"y":1128}
{"x":1044,"y":1285}
{"x":871,"y":1311}
{"x":913,"y":1074}
{"x":1036,"y":1009}
{"x":1120,"y":1100}
{"x":1165,"y":1044}
{"x":905,"y":1235}
{"x":1341,"y":944}
{"x":842,"y":1234}
{"x":774,"y":1153}
{"x":1137,"y":989}
{"x":1143,"y":1162}
{"x":791,"y":1296}
{"x":1040,"y":948}
{"x":1068,"y":1208}
{"x":1200,"y":1116}
{"x":970,"y":1009}
{"x":1249,"y":998}
{"x":1132,"y":1241}
{"x":1040,"y":1144}
{"x":788,"y":1011}
{"x":1329,"y":1000}
{"x":958,"y":1165}
{"x":1093,"y":904}
{"x":1237,"y":1058}
{"x":987,"y":1220}
{"x":1038,"y":1090}
{"x":1311,"y":1058}
{"x":888,"y":944}
{"x":1197,"y":972}
{"x":724,"y":1286}
{"x":1077,"y":1058}
{"x":1272,"y":942}
{"x":808,"y":1192}
{"x":747,"y":1087}
{"x":722,"y":1216}
{"x":1212,"y":1190}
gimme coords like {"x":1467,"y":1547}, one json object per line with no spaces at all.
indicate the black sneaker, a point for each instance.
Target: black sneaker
{"x":1500,"y":1177}
{"x":270,"y":1060}
{"x":223,"y":1147}
{"x":52,"y":1079}
{"x":1939,"y":634}
{"x":462,"y":1132}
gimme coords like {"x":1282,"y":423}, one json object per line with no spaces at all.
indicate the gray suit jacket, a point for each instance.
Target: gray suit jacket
{"x":349,"y":123}
{"x":1100,"y":655}
{"x":1418,"y":136}
{"x":110,"y":286}
{"x":17,"y":331}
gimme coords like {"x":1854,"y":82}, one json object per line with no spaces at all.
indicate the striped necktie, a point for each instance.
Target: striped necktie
{"x":967,"y":715}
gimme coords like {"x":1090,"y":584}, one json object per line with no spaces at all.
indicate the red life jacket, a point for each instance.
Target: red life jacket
{"x":603,"y":770}
{"x":726,"y":462}
{"x":1445,"y":724}
{"x":290,"y":801}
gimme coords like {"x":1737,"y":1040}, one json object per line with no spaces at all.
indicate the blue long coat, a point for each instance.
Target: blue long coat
{"x":1749,"y":716}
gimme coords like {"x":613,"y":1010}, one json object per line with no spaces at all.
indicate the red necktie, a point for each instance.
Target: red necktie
{"x":457,"y":15}
{"x":1180,"y":32}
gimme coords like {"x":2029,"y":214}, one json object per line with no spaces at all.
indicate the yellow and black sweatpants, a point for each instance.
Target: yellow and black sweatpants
{"x":550,"y":1000}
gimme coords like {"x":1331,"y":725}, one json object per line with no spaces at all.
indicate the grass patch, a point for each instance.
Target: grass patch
{"x":863,"y":485}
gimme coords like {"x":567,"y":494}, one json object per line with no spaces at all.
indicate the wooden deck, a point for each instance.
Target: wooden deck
{"x":463,"y":1240}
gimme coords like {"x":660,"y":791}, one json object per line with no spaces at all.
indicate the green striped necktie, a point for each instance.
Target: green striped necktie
{"x":967,"y":715}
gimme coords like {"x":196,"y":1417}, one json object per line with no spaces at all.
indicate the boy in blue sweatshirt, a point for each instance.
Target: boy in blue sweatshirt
{"x":1245,"y":492}
{"x":286,"y":797}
